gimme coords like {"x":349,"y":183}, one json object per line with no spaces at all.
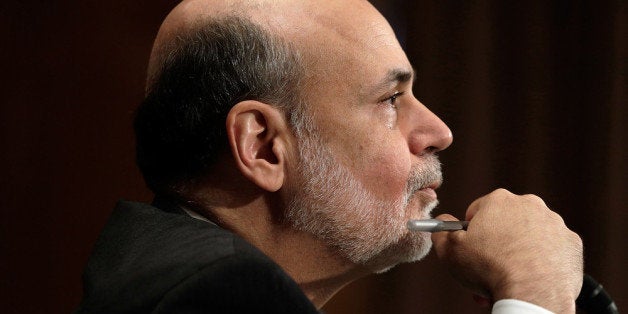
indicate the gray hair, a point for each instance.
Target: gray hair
{"x":180,"y":125}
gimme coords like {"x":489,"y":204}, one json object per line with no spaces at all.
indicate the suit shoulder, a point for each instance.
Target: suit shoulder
{"x":238,"y":283}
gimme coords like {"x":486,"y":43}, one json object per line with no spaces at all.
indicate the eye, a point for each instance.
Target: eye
{"x":392,"y":100}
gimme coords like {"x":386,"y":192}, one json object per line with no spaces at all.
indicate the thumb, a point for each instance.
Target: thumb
{"x":441,"y":239}
{"x":446,"y":217}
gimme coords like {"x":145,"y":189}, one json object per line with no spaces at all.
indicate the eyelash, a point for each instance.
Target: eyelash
{"x":392,"y":99}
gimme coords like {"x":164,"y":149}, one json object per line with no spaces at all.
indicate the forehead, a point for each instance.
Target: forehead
{"x":346,"y":45}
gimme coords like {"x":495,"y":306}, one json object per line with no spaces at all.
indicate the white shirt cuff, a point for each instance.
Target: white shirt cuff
{"x":510,"y":306}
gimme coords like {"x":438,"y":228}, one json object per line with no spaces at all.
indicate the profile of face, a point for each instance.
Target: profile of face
{"x":334,"y":205}
{"x":366,"y":145}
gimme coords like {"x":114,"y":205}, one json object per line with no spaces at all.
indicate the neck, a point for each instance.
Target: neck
{"x":318,"y":269}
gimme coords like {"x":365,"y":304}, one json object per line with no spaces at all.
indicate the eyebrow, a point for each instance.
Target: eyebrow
{"x":393,"y":77}
{"x":400,"y":75}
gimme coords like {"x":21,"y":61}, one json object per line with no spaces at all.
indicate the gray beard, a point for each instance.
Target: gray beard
{"x":330,"y":203}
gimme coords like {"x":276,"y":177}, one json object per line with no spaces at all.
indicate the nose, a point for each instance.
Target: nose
{"x":428,"y":133}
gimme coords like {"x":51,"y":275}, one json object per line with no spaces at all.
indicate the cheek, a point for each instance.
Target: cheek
{"x":376,"y":156}
{"x":386,"y":173}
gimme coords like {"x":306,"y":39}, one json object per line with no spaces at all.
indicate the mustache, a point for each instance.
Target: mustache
{"x":426,"y":174}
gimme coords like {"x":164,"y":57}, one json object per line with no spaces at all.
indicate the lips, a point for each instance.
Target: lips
{"x":429,"y":192}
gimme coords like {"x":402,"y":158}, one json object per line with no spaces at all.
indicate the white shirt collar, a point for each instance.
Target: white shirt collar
{"x":196,"y":215}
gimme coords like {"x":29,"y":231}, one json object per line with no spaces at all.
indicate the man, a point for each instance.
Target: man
{"x":287,"y":153}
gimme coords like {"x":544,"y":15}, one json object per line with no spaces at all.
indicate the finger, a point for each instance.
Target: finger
{"x":473,"y":209}
{"x":481,"y":202}
{"x":441,"y":239}
{"x":446,"y":217}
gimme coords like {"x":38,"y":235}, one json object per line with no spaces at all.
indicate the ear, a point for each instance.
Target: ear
{"x":258,"y":139}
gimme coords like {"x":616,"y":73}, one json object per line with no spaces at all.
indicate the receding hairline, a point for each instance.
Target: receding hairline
{"x":296,"y":22}
{"x":189,"y":15}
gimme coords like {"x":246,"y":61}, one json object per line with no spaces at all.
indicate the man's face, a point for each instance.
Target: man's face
{"x":332,"y":204}
{"x":368,"y":164}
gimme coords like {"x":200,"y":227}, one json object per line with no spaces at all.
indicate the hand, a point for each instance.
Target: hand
{"x":515,"y":248}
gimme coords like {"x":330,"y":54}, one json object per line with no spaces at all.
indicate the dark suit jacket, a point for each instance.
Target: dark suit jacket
{"x":160,"y":260}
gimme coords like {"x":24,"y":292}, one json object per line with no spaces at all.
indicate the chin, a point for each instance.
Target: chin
{"x":411,"y":248}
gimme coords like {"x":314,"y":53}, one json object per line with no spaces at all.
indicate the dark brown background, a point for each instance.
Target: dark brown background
{"x":535,"y":93}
